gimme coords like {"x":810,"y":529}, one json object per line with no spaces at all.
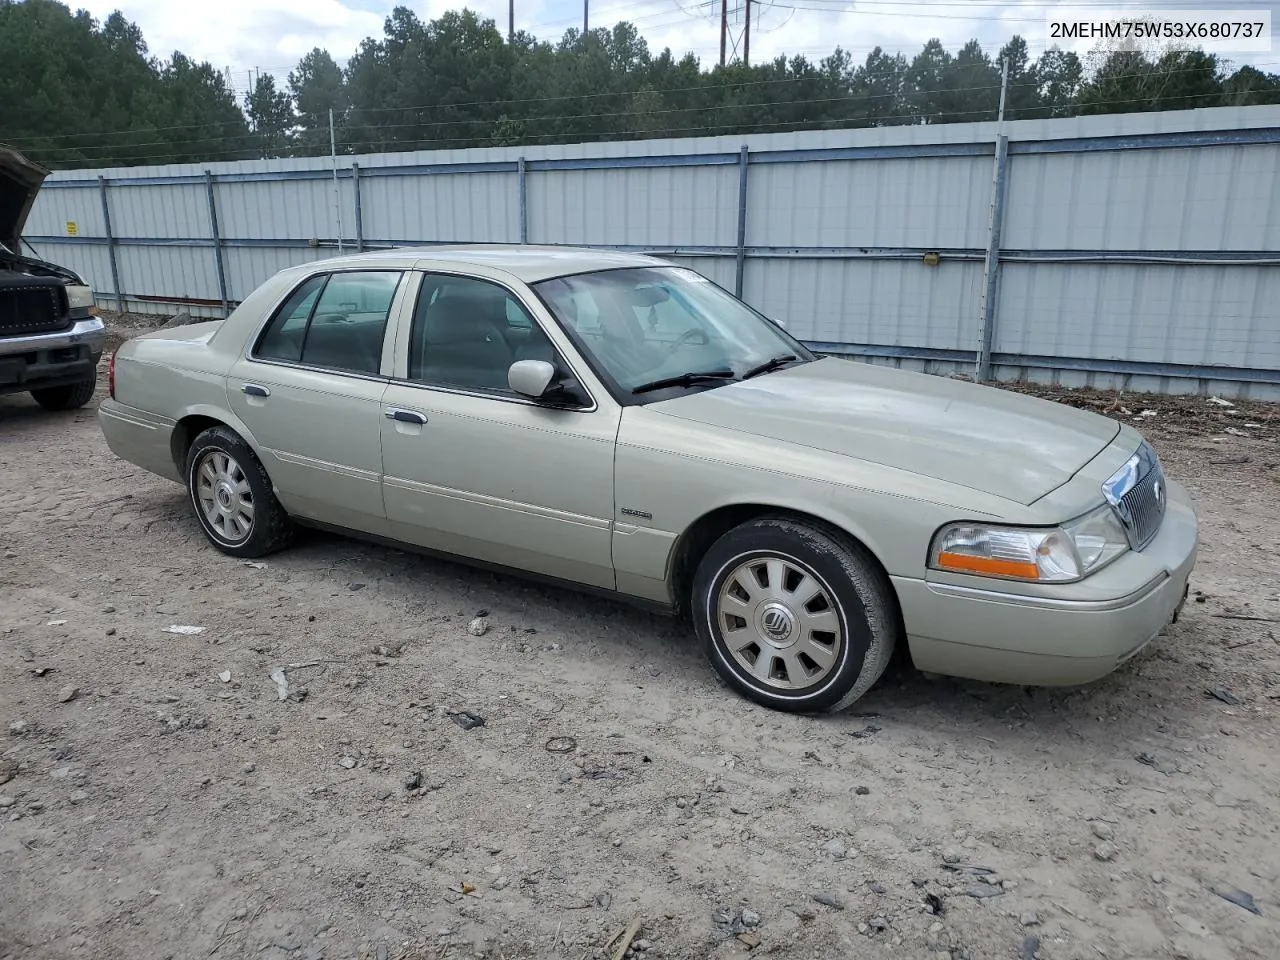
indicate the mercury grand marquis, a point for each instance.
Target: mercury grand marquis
{"x":618,"y":423}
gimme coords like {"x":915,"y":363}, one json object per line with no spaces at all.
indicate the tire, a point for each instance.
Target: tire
{"x":820,"y":610}
{"x":69,"y":397}
{"x":232,"y":496}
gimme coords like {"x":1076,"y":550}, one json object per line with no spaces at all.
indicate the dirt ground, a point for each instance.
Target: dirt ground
{"x":158,"y":799}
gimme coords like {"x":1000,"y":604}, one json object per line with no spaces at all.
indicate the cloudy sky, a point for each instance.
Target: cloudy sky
{"x":272,"y":34}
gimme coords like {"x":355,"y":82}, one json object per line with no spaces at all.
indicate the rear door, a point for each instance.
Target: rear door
{"x":310,"y":391}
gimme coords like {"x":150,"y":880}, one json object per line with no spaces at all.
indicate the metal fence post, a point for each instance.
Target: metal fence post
{"x":355,"y":189}
{"x":522,"y":187}
{"x":991,"y":267}
{"x":111,"y":244}
{"x":217,"y":242}
{"x":742,"y":222}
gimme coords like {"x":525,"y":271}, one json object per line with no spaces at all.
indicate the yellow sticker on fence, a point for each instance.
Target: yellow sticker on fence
{"x":72,"y":229}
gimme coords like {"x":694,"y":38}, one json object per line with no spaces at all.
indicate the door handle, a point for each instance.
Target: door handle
{"x":405,"y":416}
{"x":255,"y":390}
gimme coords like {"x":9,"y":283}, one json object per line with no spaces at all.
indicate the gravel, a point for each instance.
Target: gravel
{"x":1003,"y":777}
{"x":835,"y":848}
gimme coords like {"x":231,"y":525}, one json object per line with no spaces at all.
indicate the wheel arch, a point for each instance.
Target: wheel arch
{"x":696,"y":539}
{"x":195,"y":421}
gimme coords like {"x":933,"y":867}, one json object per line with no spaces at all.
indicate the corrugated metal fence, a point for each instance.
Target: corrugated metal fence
{"x":1138,"y":250}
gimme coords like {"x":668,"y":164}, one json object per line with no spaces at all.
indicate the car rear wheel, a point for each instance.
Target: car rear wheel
{"x":70,"y":397}
{"x":794,"y":617}
{"x":232,"y":496}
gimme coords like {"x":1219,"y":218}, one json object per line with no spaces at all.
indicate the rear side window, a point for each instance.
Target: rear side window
{"x":283,"y":339}
{"x":349,"y":321}
{"x":336,"y":321}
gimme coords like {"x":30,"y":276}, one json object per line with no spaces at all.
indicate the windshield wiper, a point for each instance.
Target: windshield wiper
{"x":771,"y":364}
{"x":684,"y":380}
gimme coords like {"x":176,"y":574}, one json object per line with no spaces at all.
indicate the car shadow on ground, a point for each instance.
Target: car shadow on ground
{"x":20,"y":413}
{"x":904,"y":697}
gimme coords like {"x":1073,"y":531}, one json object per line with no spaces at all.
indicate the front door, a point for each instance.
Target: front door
{"x":472,"y":468}
{"x":310,"y":392}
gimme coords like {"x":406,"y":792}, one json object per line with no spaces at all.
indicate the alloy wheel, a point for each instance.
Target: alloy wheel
{"x":779,"y":622}
{"x":224,"y":496}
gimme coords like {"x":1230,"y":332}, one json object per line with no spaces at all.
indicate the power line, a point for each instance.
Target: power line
{"x":746,"y":127}
{"x":859,"y":7}
{"x":709,"y":89}
{"x":488,"y":121}
{"x":805,"y":124}
{"x":621,"y":7}
{"x":844,"y":7}
{"x":1043,"y":8}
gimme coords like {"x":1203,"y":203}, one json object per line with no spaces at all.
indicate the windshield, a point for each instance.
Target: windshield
{"x":646,"y":326}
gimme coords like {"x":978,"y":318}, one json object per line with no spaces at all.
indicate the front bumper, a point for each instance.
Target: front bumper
{"x":39,"y":360}
{"x":979,"y":631}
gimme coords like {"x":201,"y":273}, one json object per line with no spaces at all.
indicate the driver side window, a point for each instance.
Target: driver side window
{"x":467,"y":332}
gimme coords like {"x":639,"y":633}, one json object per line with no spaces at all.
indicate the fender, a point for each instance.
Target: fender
{"x":223,"y":415}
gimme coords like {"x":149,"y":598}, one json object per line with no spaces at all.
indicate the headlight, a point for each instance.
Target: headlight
{"x":1045,"y":554}
{"x":80,"y":300}
{"x":1099,"y":538}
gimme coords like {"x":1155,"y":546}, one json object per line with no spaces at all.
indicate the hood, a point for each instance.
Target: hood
{"x":20,"y":181}
{"x":1001,"y":443}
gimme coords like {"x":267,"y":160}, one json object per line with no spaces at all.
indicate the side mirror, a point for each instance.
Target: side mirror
{"x":531,"y":378}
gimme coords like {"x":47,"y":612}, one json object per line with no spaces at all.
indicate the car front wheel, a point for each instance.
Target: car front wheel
{"x":232,"y":496}
{"x":794,"y":617}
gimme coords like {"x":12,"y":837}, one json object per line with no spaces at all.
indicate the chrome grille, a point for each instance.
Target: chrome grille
{"x":1137,"y":494}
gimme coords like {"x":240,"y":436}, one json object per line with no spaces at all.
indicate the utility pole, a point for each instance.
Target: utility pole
{"x":724,"y":27}
{"x":1004,"y":88}
{"x":337,"y":194}
{"x":584,"y":17}
{"x":511,"y":21}
{"x":746,"y":38}
{"x":252,"y":89}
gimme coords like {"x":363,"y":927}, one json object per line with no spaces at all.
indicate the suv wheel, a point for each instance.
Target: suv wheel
{"x":70,"y":397}
{"x":793,"y":617}
{"x":232,"y":496}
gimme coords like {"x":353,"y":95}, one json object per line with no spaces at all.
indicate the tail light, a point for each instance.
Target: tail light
{"x":111,"y":374}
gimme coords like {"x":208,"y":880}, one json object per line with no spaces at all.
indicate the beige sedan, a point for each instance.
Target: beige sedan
{"x":617,"y":423}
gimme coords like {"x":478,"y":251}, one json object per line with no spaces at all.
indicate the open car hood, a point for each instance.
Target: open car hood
{"x":20,"y":181}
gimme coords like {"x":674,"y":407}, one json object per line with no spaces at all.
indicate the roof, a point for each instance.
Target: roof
{"x":528,"y":263}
